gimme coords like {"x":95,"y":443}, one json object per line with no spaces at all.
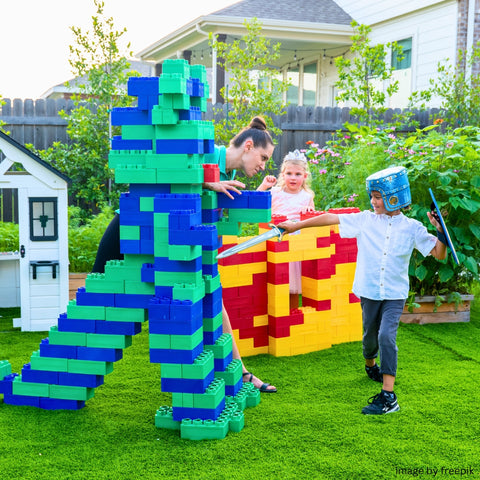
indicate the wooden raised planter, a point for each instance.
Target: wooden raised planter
{"x":445,"y":313}
{"x":76,"y":280}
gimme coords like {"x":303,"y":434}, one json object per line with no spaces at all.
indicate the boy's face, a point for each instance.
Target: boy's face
{"x":376,"y":200}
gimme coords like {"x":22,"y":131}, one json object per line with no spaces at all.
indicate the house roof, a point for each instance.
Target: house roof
{"x":31,"y":155}
{"x":299,"y":25}
{"x":314,"y":11}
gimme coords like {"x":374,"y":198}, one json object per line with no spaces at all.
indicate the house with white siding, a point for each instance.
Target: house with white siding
{"x":313,"y":33}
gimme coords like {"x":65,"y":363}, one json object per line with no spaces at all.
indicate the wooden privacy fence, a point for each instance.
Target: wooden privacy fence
{"x":37,"y":122}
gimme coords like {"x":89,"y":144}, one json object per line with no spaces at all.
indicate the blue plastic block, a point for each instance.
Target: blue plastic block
{"x":189,"y":146}
{"x":179,"y":413}
{"x":147,"y":247}
{"x":6,"y":383}
{"x":163,"y":264}
{"x":129,"y":203}
{"x":142,"y":86}
{"x":232,"y":390}
{"x":130,"y":247}
{"x":209,"y":338}
{"x":118,"y":328}
{"x":209,"y":146}
{"x":184,"y":219}
{"x":149,"y":189}
{"x":159,"y":308}
{"x":96,"y":299}
{"x":186,"y":310}
{"x":194,"y":113}
{"x":210,"y":216}
{"x":165,"y":203}
{"x":80,"y":379}
{"x":138,"y":218}
{"x":240,"y":200}
{"x":220,"y":364}
{"x":197,"y":88}
{"x":186,"y":385}
{"x":100,"y":354}
{"x":205,"y":235}
{"x":163,"y":291}
{"x":38,"y":376}
{"x":146,"y":232}
{"x":212,"y":303}
{"x":259,"y":200}
{"x":166,"y":355}
{"x":130,"y":116}
{"x":74,"y":325}
{"x":21,"y":400}
{"x":60,"y":404}
{"x":57,"y":351}
{"x":148,"y":273}
{"x":172,"y":327}
{"x":146,"y":103}
{"x":118,"y":143}
{"x":132,"y":300}
{"x":210,"y":269}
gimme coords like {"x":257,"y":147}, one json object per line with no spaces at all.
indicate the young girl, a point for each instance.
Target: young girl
{"x":290,"y":197}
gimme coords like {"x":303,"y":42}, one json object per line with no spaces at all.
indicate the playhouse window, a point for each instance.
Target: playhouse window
{"x":43,"y":219}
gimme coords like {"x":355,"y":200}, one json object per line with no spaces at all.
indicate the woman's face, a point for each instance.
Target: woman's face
{"x":255,"y":158}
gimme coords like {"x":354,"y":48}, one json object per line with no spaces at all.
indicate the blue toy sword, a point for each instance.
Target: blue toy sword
{"x":274,"y":232}
{"x":444,"y":227}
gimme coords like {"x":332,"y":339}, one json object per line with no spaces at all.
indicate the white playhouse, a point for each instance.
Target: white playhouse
{"x":36,"y":276}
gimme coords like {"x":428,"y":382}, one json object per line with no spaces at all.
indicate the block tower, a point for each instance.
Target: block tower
{"x":169,"y":234}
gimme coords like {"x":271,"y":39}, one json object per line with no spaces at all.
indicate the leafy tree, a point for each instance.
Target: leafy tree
{"x":458,"y":91}
{"x":361,"y":77}
{"x":102,"y":73}
{"x":254,"y":87}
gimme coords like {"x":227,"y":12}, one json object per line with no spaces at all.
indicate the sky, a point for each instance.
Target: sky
{"x":35,"y":35}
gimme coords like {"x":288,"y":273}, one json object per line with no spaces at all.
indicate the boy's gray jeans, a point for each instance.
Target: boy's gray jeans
{"x":380,"y":325}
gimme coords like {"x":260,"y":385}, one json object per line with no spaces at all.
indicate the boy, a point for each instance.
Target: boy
{"x":385,"y":241}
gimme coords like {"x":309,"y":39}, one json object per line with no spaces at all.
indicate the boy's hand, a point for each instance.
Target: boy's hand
{"x":268,"y":182}
{"x":288,"y":226}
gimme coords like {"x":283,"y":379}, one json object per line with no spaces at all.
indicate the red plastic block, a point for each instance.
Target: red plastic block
{"x":319,"y":305}
{"x":319,"y":269}
{"x":276,"y":246}
{"x":277,"y":273}
{"x":211,"y":172}
{"x":352,"y":298}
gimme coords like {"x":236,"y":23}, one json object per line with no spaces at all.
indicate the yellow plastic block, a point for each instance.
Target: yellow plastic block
{"x":251,"y":268}
{"x":279,"y":347}
{"x":260,"y":320}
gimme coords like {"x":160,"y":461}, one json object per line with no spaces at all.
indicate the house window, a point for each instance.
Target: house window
{"x":403,"y":61}
{"x":309,"y":84}
{"x":293,"y":77}
{"x":43,"y":219}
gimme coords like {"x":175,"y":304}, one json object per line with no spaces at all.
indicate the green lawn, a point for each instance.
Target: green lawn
{"x":311,"y":429}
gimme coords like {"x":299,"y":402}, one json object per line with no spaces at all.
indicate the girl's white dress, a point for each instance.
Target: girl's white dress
{"x":291,"y":205}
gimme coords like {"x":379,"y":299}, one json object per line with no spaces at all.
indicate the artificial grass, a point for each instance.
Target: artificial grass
{"x":311,"y":429}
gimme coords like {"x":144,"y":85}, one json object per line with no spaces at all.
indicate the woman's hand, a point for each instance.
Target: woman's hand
{"x":225,"y":187}
{"x":268,"y":182}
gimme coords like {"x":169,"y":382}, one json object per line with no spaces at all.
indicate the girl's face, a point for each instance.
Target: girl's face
{"x":294,"y":177}
{"x":255,"y":158}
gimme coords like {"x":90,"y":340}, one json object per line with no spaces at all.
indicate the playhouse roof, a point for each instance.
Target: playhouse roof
{"x":34,"y":157}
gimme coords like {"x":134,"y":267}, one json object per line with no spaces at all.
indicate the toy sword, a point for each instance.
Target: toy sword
{"x":274,"y":232}
{"x":444,"y":227}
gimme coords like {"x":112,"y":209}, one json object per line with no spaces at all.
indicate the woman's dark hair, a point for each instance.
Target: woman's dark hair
{"x":257,"y":131}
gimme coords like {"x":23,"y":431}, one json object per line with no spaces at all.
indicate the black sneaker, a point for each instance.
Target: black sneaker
{"x":381,"y":403}
{"x":374,"y":373}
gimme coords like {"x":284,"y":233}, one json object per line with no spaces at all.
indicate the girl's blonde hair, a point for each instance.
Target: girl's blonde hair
{"x":299,"y":159}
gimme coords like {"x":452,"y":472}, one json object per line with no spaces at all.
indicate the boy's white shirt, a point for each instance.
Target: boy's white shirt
{"x":385,"y":244}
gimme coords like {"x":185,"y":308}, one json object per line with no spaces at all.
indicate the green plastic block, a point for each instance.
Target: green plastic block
{"x":172,"y":162}
{"x":177,"y":65}
{"x":186,"y":188}
{"x":164,"y":419}
{"x":193,"y":174}
{"x":253,"y":397}
{"x":90,"y":367}
{"x":169,"y":279}
{"x":147,"y":204}
{"x":66,"y":392}
{"x":140,"y":288}
{"x":237,"y":422}
{"x":118,"y":270}
{"x":159,"y":340}
{"x":211,"y":283}
{"x":50,"y":364}
{"x":182,"y":400}
{"x":102,"y":340}
{"x":203,"y":429}
{"x":118,"y":158}
{"x":211,"y":324}
{"x":222,"y":347}
{"x":186,"y":342}
{"x":226,"y":227}
{"x":135,"y":174}
{"x":130,"y":232}
{"x":160,"y":248}
{"x":83,"y":312}
{"x":209,"y":257}
{"x":5,"y":368}
{"x":78,"y":339}
{"x":164,"y":116}
{"x":138,"y":132}
{"x":189,"y":291}
{"x":212,"y":397}
{"x":198,"y":71}
{"x":172,"y":83}
{"x":101,"y":283}
{"x":232,"y":374}
{"x":200,"y":368}
{"x":251,"y":215}
{"x":160,"y":220}
{"x":209,"y":200}
{"x":135,"y":262}
{"x":29,"y":389}
{"x":184,"y":252}
{"x":200,"y":102}
{"x":123,"y":314}
{"x":171,"y":370}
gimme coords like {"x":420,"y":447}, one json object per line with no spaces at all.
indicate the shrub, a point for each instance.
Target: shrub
{"x":8,"y":237}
